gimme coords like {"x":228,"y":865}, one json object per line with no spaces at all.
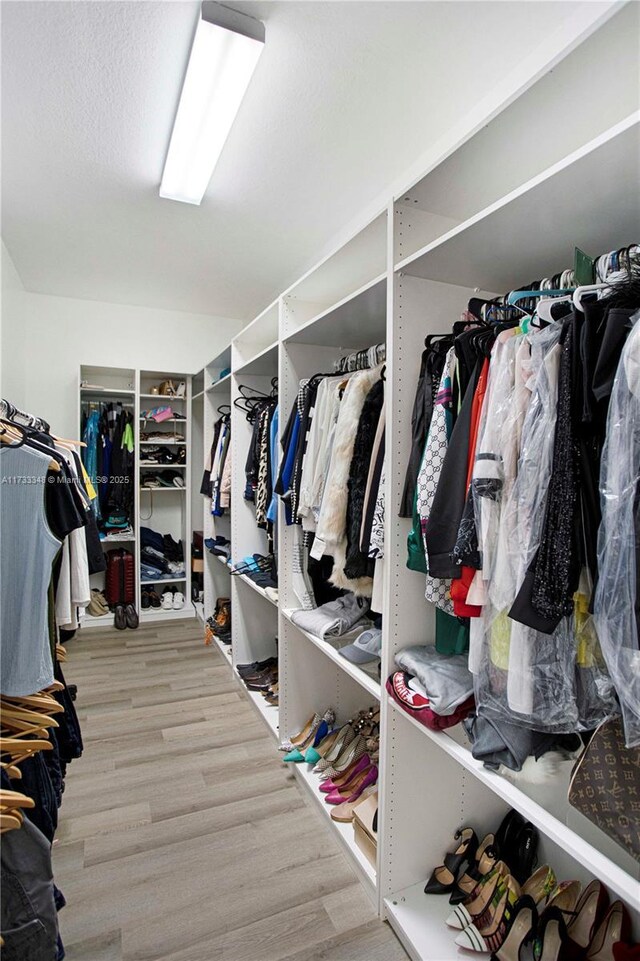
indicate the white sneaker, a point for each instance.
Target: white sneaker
{"x":167,"y":601}
{"x":178,"y":601}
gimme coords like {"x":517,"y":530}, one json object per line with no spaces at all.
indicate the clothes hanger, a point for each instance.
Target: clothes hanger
{"x":579,"y":293}
{"x":10,"y":431}
{"x":35,"y":701}
{"x":8,"y":822}
{"x":15,"y":799}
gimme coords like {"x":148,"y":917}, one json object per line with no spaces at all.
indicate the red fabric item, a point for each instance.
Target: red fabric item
{"x":626,"y":952}
{"x":417,"y":705}
{"x":460,"y":586}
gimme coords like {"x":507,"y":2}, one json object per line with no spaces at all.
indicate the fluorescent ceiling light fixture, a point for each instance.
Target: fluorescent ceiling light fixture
{"x":226,"y":48}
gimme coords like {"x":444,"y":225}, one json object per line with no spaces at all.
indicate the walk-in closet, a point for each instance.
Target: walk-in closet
{"x":320,"y":481}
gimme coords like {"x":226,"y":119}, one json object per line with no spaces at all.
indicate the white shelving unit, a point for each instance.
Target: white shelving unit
{"x":486,"y":213}
{"x":169,"y":515}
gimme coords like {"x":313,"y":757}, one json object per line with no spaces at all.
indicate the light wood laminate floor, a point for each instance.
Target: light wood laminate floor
{"x":182,"y":836}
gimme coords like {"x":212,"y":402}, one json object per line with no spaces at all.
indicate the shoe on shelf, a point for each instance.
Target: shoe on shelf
{"x":346,"y":735}
{"x":490,"y":930}
{"x":586,"y":918}
{"x":167,"y":600}
{"x":484,"y":861}
{"x":355,"y":788}
{"x":521,"y":930}
{"x":475,"y":906}
{"x":343,"y":813}
{"x":314,"y":754}
{"x":154,"y":598}
{"x":351,"y":753}
{"x":614,"y":928}
{"x":145,"y":599}
{"x":307,"y":735}
{"x":340,"y":783}
{"x":443,"y":878}
{"x":178,"y":601}
{"x":243,"y":669}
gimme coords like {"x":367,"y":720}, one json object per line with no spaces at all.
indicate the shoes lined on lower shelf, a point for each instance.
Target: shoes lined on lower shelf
{"x":345,"y":759}
{"x":500,"y":904}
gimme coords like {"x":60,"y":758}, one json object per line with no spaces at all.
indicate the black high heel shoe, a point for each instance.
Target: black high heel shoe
{"x":551,"y":940}
{"x":522,"y":928}
{"x":444,"y":878}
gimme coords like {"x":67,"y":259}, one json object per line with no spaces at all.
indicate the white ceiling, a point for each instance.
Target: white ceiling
{"x":345,"y":97}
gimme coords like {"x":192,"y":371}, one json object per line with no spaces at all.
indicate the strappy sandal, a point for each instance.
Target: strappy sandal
{"x":443,"y":878}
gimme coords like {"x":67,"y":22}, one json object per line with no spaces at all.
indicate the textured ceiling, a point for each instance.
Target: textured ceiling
{"x":345,"y":97}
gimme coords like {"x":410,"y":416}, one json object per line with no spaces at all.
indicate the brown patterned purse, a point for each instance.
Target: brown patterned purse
{"x":605,"y":786}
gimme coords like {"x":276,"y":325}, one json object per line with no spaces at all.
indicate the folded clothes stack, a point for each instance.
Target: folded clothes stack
{"x":334,"y":618}
{"x":162,"y":478}
{"x":165,"y":437}
{"x":162,"y":455}
{"x":161,"y":557}
{"x":435,"y":689}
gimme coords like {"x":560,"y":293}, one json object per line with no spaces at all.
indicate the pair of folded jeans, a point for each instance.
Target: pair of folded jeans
{"x":334,"y":618}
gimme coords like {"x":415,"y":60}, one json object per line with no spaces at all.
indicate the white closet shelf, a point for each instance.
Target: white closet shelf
{"x":108,"y":391}
{"x":224,"y":648}
{"x":419,"y":921}
{"x":369,"y":683}
{"x":218,"y":384}
{"x":256,"y":587}
{"x":264,"y":362}
{"x":547,"y":215}
{"x":198,"y":607}
{"x":158,"y":442}
{"x":151,"y":614}
{"x":162,"y":580}
{"x":268,"y":712}
{"x":150,"y":463}
{"x":343,"y":832}
{"x":117,"y":540}
{"x":547,"y":808}
{"x":198,"y":395}
{"x":162,"y":490}
{"x":358,"y":317}
{"x":165,"y":398}
{"x":217,"y":557}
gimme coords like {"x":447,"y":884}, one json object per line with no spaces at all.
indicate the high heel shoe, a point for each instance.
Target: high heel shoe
{"x":551,"y":937}
{"x":355,"y":788}
{"x":588,"y":914}
{"x":296,"y":740}
{"x":345,"y":736}
{"x":297,"y":755}
{"x":539,"y":889}
{"x":344,"y":813}
{"x":443,"y":878}
{"x":520,"y":932}
{"x":485,"y":860}
{"x":475,"y":906}
{"x":338,"y":783}
{"x":615,"y":927}
{"x":353,"y":752}
{"x":314,"y":754}
{"x":490,"y":932}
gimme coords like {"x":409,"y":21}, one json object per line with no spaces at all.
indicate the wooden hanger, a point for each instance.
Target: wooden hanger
{"x":35,"y":702}
{"x":8,"y":822}
{"x":11,"y":432}
{"x":15,"y":799}
{"x":54,"y":686}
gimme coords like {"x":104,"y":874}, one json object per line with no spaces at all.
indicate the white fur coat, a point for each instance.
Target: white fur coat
{"x":332,"y":522}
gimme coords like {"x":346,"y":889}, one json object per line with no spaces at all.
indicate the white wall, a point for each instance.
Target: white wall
{"x":61,"y":333}
{"x":12,"y":340}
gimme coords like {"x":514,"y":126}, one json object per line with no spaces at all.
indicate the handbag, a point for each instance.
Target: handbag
{"x":605,"y":786}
